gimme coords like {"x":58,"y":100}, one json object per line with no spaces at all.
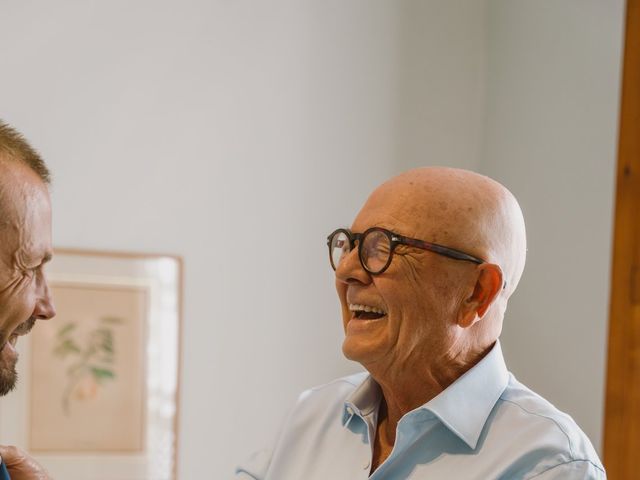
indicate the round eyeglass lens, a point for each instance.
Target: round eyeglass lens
{"x":376,"y":248}
{"x":340,"y":247}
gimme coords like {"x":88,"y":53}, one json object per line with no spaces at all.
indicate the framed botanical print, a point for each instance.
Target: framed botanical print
{"x":101,"y":384}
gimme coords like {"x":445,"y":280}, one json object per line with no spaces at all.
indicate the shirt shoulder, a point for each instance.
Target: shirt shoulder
{"x":314,"y":419}
{"x":348,"y":383}
{"x":547,"y":427}
{"x":331,"y":393}
{"x":323,"y":401}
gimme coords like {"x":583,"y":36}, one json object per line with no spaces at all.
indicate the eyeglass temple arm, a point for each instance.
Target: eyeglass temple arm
{"x":434,"y":247}
{"x":449,"y":252}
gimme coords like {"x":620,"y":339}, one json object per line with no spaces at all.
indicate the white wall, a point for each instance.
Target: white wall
{"x":551,"y":135}
{"x":239,"y":133}
{"x":441,"y":72}
{"x":236,"y":134}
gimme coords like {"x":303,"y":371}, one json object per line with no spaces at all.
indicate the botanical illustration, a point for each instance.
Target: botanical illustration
{"x":89,"y":359}
{"x":88,"y":370}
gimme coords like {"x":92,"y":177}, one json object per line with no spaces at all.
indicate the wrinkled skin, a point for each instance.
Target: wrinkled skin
{"x":442,"y":315}
{"x":21,"y":466}
{"x":25,"y":248}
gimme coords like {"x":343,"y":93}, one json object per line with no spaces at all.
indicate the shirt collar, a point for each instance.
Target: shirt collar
{"x":363,"y":401}
{"x":463,"y":407}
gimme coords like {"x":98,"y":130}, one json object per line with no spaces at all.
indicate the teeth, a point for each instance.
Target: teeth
{"x":354,"y":307}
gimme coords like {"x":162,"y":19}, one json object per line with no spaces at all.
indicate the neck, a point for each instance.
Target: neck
{"x":408,"y":386}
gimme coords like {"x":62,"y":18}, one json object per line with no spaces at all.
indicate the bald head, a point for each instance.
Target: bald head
{"x":459,"y":209}
{"x":430,"y":312}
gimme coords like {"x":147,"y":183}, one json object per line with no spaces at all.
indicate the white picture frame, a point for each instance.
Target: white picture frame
{"x":120,"y":420}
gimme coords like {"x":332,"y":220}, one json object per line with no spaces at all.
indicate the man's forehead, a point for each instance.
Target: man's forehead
{"x":399,"y":205}
{"x":437,"y":205}
{"x":26,"y":211}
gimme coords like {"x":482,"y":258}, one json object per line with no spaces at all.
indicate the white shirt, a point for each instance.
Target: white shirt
{"x":485,"y":425}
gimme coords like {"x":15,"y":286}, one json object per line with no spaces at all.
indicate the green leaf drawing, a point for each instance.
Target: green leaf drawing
{"x":101,"y":374}
{"x":112,"y":320}
{"x":66,"y":329}
{"x":90,"y":360}
{"x":66,"y":347}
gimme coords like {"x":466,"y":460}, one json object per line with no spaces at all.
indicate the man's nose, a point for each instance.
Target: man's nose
{"x":45,"y":309}
{"x":350,"y":270}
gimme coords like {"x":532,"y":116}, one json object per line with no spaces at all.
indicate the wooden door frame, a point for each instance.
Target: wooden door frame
{"x":622,"y":411}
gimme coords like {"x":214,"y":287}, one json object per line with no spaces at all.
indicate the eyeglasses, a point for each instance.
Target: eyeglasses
{"x":376,"y":246}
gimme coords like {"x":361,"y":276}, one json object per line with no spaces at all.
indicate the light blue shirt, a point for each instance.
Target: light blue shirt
{"x":486,"y":425}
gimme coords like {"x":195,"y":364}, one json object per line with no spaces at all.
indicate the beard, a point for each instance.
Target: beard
{"x":8,"y":377}
{"x":8,"y":373}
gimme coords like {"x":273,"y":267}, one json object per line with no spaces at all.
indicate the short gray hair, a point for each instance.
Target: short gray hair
{"x":14,"y":146}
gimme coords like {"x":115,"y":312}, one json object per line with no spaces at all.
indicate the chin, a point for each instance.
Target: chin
{"x":350,"y":349}
{"x":356,"y":351}
{"x":8,"y":377}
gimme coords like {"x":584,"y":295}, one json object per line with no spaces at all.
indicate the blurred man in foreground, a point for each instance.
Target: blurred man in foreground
{"x":423,"y":276}
{"x":25,"y":248}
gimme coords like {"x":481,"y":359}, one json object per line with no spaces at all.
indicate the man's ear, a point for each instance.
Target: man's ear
{"x":489,"y":284}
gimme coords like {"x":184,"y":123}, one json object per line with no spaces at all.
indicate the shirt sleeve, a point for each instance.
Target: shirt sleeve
{"x":575,"y":470}
{"x":255,"y":467}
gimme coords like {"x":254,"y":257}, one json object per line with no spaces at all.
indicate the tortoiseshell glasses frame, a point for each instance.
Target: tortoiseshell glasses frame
{"x":376,"y":246}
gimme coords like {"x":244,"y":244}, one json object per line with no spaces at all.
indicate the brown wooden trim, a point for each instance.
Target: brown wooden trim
{"x":622,"y":412}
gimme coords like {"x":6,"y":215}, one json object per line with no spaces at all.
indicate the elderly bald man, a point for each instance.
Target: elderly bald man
{"x":424,"y":276}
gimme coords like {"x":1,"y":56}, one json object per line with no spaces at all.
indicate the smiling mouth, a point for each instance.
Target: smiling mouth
{"x":366,"y":312}
{"x":22,"y":329}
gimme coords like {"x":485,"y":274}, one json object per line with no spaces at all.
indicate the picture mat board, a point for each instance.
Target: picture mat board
{"x":101,"y":416}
